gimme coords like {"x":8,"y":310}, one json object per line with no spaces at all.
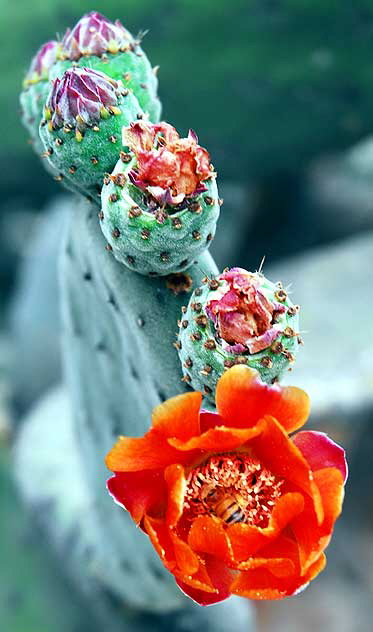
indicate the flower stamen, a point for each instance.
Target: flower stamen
{"x":235,"y":488}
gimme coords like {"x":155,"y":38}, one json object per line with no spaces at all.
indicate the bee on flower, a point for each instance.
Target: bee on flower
{"x":231,"y":503}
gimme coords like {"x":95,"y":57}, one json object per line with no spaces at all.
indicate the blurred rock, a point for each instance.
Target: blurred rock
{"x":340,"y":188}
{"x":334,"y":286}
{"x":234,"y":223}
{"x":34,"y":319}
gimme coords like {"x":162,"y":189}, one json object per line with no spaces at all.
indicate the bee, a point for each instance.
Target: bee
{"x":228,"y":509}
{"x":225,"y":507}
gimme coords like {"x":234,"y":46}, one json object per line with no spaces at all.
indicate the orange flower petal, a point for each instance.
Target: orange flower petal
{"x":320,"y":451}
{"x":142,"y":453}
{"x":247,"y":540}
{"x":175,"y":479}
{"x":207,"y":535}
{"x":260,"y":583}
{"x":330,"y":483}
{"x":276,"y":451}
{"x":160,"y":538}
{"x":187,"y":561}
{"x":220,"y":439}
{"x":138,"y":492}
{"x":242,"y":398}
{"x":179,"y":416}
{"x":280,"y":557}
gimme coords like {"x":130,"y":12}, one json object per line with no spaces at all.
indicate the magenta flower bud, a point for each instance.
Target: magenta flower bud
{"x":81,"y":98}
{"x":94,"y":35}
{"x":42,"y":62}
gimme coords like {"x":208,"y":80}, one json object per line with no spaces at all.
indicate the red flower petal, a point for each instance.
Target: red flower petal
{"x":242,"y":398}
{"x":179,"y":416}
{"x":221,"y":577}
{"x":320,"y":451}
{"x":160,"y":538}
{"x":219,"y":439}
{"x":138,"y":492}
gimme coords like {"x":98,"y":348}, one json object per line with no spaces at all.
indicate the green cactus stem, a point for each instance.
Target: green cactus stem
{"x":36,"y":88}
{"x":81,"y":128}
{"x":237,"y":318}
{"x":96,"y":42}
{"x":160,"y":205}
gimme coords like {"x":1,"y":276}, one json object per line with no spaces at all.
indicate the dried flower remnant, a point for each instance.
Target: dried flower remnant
{"x":244,"y":322}
{"x":167,"y":166}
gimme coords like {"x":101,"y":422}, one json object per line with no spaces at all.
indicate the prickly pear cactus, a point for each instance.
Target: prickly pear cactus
{"x":81,"y":128}
{"x":237,"y":318}
{"x":36,"y":88}
{"x":96,"y":42}
{"x":160,"y":205}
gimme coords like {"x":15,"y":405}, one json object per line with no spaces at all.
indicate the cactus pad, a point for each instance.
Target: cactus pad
{"x":160,"y":205}
{"x":237,"y":318}
{"x":81,"y":129}
{"x":96,"y":42}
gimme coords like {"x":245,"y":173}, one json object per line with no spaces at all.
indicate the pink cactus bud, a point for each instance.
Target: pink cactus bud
{"x":94,"y":35}
{"x":81,"y":97}
{"x":243,"y":315}
{"x":42,"y":62}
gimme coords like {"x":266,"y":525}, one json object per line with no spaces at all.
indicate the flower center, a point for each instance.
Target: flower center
{"x":235,"y":488}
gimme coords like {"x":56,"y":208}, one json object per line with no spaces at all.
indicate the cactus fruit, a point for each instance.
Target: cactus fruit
{"x":160,"y":205}
{"x":81,"y":129}
{"x":35,"y":91}
{"x":96,"y":42}
{"x":238,"y":317}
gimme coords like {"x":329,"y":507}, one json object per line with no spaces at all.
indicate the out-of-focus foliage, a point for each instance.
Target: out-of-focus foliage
{"x":267,"y":84}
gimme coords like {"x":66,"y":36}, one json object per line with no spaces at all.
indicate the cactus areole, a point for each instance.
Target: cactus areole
{"x":81,"y":130}
{"x":160,"y":205}
{"x":237,"y":318}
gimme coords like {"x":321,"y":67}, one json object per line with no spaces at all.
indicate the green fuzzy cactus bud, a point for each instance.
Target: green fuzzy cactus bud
{"x":96,"y":42}
{"x":81,"y":129}
{"x":238,"y":317}
{"x":36,"y":88}
{"x":160,"y":205}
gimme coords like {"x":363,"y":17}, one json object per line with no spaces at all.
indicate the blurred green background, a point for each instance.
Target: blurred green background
{"x":281,"y":94}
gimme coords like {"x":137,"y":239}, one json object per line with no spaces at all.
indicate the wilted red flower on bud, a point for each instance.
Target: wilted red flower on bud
{"x":94,"y":34}
{"x":230,"y":502}
{"x":168,"y":167}
{"x":242,"y":314}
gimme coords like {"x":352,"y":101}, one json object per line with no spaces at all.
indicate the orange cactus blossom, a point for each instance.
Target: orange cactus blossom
{"x":232,"y":504}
